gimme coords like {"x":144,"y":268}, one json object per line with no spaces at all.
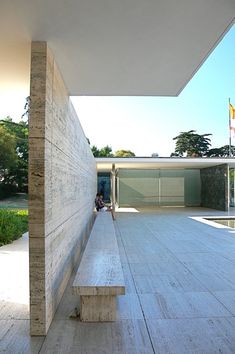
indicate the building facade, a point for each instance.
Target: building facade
{"x":164,"y":182}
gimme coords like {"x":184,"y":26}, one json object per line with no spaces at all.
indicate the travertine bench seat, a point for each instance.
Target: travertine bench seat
{"x":99,"y":278}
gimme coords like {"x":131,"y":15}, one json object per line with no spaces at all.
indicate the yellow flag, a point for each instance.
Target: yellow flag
{"x":232,"y":118}
{"x":232,"y":111}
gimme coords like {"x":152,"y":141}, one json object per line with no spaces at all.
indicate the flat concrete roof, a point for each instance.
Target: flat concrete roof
{"x":105,"y":164}
{"x":130,"y":47}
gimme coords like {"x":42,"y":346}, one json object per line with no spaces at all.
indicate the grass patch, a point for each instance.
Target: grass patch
{"x":13,"y":223}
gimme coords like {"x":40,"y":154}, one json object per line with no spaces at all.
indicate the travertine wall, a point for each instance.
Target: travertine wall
{"x":62,"y":186}
{"x":214,"y":187}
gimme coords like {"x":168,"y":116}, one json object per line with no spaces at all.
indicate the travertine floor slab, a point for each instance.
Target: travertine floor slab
{"x":14,"y":300}
{"x":129,"y":307}
{"x":227,"y":298}
{"x":182,"y":305}
{"x":15,"y":339}
{"x":106,"y":338}
{"x":167,"y":283}
{"x":180,"y":293}
{"x":193,"y":336}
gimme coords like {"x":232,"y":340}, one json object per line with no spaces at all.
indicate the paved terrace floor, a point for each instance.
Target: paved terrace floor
{"x":180,"y":292}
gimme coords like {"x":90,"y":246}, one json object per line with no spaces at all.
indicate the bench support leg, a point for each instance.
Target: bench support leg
{"x":100,"y":308}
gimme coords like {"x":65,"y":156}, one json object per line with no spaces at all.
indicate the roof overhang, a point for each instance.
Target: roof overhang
{"x":106,"y":164}
{"x":130,"y":47}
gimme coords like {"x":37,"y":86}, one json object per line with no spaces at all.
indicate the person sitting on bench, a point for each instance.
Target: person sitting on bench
{"x":100,"y":205}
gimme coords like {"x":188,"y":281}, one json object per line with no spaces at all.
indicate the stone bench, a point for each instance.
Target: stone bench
{"x":99,"y":278}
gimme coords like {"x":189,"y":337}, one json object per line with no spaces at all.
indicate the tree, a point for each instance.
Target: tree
{"x":95,"y":151}
{"x":8,"y":159}
{"x":16,"y":174}
{"x":191,"y":144}
{"x":221,"y":152}
{"x":26,"y":108}
{"x":106,"y":151}
{"x":124,"y":153}
{"x":20,"y":131}
{"x":7,"y":150}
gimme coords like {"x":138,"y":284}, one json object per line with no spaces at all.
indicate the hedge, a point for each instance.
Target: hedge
{"x":13,"y":223}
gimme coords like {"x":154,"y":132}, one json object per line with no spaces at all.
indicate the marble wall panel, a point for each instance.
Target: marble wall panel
{"x":214,"y":187}
{"x":62,"y":187}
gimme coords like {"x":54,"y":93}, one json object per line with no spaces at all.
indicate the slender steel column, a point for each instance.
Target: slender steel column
{"x":113,"y":191}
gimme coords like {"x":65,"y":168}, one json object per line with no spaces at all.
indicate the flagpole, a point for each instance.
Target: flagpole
{"x":230,"y":138}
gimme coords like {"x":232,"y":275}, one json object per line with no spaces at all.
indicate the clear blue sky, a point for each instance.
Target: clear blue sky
{"x":146,"y":125}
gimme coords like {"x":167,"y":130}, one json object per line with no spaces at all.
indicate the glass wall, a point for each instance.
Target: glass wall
{"x":158,"y":187}
{"x":103,"y":185}
{"x":137,"y":187}
{"x":171,"y":187}
{"x":192,"y":187}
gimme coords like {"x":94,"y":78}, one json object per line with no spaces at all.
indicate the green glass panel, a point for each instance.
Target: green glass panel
{"x":159,"y":187}
{"x":172,"y":187}
{"x":138,"y":187}
{"x":192,"y":188}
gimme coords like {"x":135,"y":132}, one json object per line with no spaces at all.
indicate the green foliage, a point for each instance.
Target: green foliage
{"x":95,"y":151}
{"x":13,"y":223}
{"x":106,"y":151}
{"x":7,"y":189}
{"x":14,"y":146}
{"x":26,"y":108}
{"x":124,"y":153}
{"x":7,"y":149}
{"x":221,"y":152}
{"x":191,"y":144}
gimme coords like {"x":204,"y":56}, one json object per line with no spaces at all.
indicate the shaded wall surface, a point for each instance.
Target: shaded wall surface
{"x":62,"y":186}
{"x":214,"y":187}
